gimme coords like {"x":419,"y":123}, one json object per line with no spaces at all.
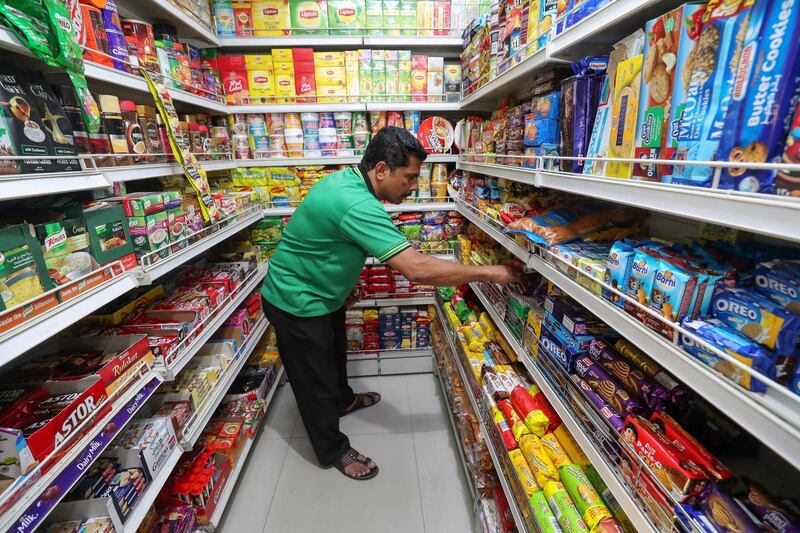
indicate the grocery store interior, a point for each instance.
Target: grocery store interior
{"x":636,"y":163}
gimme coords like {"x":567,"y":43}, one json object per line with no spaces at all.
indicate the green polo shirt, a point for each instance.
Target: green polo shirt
{"x":323,"y":248}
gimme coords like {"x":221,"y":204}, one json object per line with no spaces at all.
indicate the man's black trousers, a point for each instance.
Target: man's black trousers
{"x":314,"y":354}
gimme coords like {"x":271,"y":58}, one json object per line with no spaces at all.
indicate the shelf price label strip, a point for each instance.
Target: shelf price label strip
{"x":33,"y":516}
{"x":778,"y":411}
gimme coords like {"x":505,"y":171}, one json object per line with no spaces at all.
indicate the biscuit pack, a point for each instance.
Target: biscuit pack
{"x":667,"y":40}
{"x":707,"y":74}
{"x":764,"y":89}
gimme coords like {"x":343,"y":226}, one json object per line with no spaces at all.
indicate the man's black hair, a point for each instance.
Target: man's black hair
{"x":392,"y":145}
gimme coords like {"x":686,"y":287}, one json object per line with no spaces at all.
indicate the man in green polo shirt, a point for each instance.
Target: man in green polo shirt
{"x":316,"y":267}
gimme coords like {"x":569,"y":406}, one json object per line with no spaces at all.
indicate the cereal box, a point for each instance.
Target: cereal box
{"x":623,"y":116}
{"x":534,"y":12}
{"x":666,"y":41}
{"x":547,"y":15}
{"x":763,"y":91}
{"x":271,"y":18}
{"x":308,"y":17}
{"x":346,"y":17}
{"x":707,"y":73}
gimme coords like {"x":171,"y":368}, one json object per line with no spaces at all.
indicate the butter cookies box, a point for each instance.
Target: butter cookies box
{"x":764,"y":91}
{"x":707,"y":75}
{"x":667,"y":38}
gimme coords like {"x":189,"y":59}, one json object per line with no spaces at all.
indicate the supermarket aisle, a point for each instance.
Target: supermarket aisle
{"x":420,"y":488}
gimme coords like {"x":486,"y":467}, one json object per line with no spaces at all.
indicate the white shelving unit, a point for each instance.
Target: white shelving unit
{"x":195,"y":426}
{"x":28,"y":185}
{"x":425,"y":107}
{"x":33,"y":332}
{"x":765,"y":214}
{"x":486,"y":97}
{"x":240,"y":463}
{"x":299,"y":107}
{"x":213,"y":325}
{"x":596,"y":456}
{"x":32,"y":507}
{"x":342,"y":41}
{"x":766,"y":420}
{"x":399,"y":208}
{"x":188,"y":25}
{"x":386,"y":302}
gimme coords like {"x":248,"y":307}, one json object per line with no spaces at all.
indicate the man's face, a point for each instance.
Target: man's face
{"x":396,"y":186}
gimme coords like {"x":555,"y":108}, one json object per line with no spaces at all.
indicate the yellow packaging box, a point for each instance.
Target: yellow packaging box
{"x":331,"y":76}
{"x":284,"y":83}
{"x":271,"y":18}
{"x":351,"y":73}
{"x":282,"y":55}
{"x":328,"y":94}
{"x":328,"y":59}
{"x":261,"y":77}
{"x":623,"y":116}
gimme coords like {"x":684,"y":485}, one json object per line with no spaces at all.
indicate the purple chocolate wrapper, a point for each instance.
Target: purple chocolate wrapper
{"x":607,"y":387}
{"x":118,"y":49}
{"x":606,"y":410}
{"x":654,"y":395}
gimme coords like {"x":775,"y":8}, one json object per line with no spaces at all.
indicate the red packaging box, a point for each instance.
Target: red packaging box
{"x":233,"y":74}
{"x":88,"y":401}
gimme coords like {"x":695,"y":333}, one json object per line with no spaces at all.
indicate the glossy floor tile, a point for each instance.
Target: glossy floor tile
{"x":420,"y":487}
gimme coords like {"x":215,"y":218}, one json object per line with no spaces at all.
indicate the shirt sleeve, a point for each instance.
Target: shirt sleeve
{"x":367,"y":224}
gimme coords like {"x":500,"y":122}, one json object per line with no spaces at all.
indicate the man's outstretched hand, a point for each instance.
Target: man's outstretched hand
{"x":504,"y":274}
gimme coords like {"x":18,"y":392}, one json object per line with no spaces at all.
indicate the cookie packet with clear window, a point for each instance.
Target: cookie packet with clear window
{"x":735,"y":344}
{"x":758,"y":317}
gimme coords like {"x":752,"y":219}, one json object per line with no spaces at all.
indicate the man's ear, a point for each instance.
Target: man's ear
{"x":381,"y":170}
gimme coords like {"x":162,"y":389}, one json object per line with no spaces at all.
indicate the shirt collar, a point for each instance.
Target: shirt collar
{"x":361,"y":169}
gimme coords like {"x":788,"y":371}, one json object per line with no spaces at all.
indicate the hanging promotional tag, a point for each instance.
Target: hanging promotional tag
{"x":195,"y":174}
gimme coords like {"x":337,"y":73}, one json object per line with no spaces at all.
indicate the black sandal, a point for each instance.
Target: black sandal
{"x":351,"y":456}
{"x":360,"y":402}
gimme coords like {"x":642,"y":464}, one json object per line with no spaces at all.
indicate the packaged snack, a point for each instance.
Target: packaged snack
{"x":23,"y":274}
{"x":650,"y":368}
{"x":564,"y":224}
{"x":607,"y":387}
{"x":564,"y":509}
{"x":687,"y":445}
{"x":707,"y":73}
{"x":738,"y":346}
{"x":780,"y":281}
{"x":764,"y":88}
{"x":623,"y":116}
{"x":524,"y":405}
{"x":618,"y":271}
{"x":539,"y":131}
{"x":523,"y":472}
{"x":583,"y":495}
{"x":758,"y":317}
{"x":558,"y":350}
{"x":568,"y":444}
{"x":788,"y":182}
{"x":554,"y":450}
{"x":640,"y":284}
{"x":518,"y":427}
{"x":678,"y":475}
{"x":540,"y":464}
{"x":541,"y":403}
{"x":669,"y":37}
{"x":543,"y":515}
{"x":580,"y":95}
{"x":725,"y":513}
{"x":760,"y":503}
{"x":601,"y":405}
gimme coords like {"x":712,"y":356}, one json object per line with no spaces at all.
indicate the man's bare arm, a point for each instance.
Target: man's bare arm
{"x":429,"y":270}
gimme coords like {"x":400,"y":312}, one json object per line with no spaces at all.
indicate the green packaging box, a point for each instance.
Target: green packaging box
{"x":308,"y":17}
{"x":346,"y":17}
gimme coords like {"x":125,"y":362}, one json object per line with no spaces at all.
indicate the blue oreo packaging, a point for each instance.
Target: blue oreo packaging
{"x":763,"y":91}
{"x":575,"y":342}
{"x":707,"y":74}
{"x":780,"y":281}
{"x":734,"y":344}
{"x":558,"y":350}
{"x":758,"y":317}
